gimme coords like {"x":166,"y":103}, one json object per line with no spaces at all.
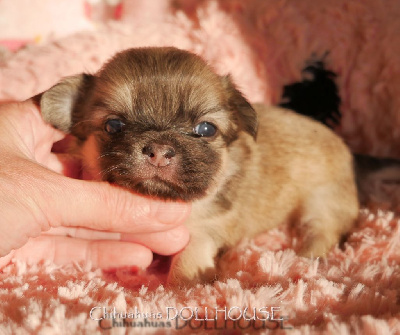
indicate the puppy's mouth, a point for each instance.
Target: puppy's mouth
{"x":166,"y":180}
{"x":154,"y":186}
{"x":160,"y":188}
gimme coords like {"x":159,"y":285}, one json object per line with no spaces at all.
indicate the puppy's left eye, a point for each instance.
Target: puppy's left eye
{"x":114,"y":126}
{"x":205,"y":129}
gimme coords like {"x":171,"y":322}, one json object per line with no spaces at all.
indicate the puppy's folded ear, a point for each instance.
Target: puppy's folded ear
{"x":246,"y":115}
{"x":60,"y":104}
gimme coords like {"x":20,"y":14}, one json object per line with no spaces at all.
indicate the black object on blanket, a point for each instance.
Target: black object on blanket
{"x":315,"y":96}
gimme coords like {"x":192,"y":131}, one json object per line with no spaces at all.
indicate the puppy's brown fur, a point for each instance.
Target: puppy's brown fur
{"x":294,"y":170}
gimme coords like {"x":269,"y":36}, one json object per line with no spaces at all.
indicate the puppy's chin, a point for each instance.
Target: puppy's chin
{"x":159,"y":188}
{"x":162,"y":189}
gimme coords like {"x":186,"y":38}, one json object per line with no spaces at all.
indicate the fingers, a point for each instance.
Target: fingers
{"x":83,"y":233}
{"x":163,"y":243}
{"x":56,"y":200}
{"x":100,"y":254}
{"x":43,"y":198}
{"x":101,"y":206}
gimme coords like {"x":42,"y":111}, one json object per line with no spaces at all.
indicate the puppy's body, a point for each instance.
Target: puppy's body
{"x":160,"y":122}
{"x":296,"y":172}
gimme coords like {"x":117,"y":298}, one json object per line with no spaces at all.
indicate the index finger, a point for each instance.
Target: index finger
{"x":101,"y":206}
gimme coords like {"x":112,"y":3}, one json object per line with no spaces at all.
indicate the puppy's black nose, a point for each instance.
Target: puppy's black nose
{"x":159,"y":155}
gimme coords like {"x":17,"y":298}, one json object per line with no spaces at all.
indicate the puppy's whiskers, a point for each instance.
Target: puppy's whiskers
{"x":111,"y":153}
{"x":103,"y":172}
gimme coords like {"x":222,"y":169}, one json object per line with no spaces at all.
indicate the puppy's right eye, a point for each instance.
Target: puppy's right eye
{"x":114,"y":126}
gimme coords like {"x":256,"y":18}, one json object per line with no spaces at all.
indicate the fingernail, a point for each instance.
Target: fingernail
{"x":179,"y":234}
{"x":172,"y":212}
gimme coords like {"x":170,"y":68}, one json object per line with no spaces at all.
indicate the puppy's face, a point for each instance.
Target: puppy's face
{"x":158,"y":121}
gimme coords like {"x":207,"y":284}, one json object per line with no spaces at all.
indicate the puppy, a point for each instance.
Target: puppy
{"x":160,"y":122}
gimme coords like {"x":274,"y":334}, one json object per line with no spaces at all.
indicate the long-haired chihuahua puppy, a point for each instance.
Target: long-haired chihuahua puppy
{"x":162,"y":123}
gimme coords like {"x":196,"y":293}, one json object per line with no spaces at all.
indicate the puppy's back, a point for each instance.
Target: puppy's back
{"x":305,"y":172}
{"x":302,"y":146}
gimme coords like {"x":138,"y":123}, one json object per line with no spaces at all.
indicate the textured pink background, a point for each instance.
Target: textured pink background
{"x":264,"y":44}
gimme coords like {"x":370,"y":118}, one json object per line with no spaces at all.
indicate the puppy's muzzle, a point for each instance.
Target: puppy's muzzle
{"x":159,"y":155}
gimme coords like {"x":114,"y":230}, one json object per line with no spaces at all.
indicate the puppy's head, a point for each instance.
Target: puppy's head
{"x":156,"y":120}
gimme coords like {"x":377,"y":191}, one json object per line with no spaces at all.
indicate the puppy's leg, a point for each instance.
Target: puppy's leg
{"x":327,"y":213}
{"x":196,"y":263}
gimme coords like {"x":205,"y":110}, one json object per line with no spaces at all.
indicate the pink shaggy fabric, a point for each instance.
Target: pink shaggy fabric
{"x":264,"y":44}
{"x":352,"y":291}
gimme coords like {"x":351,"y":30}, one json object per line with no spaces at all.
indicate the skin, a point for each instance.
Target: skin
{"x":45,"y":213}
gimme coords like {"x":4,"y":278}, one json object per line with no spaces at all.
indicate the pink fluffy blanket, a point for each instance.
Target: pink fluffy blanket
{"x":264,"y":45}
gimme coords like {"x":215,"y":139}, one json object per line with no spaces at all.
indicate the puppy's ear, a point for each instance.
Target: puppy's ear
{"x":246,"y":115}
{"x":59,"y":105}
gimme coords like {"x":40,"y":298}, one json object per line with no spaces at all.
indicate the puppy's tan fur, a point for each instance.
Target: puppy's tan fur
{"x":295,"y":170}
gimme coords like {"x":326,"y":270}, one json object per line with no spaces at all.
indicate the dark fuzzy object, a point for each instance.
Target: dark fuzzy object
{"x":315,"y":96}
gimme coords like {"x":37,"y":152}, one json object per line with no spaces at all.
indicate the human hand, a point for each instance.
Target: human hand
{"x":41,"y":207}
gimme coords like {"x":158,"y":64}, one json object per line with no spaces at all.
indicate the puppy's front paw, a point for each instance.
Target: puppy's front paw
{"x":317,"y":247}
{"x":318,"y":242}
{"x":189,"y":268}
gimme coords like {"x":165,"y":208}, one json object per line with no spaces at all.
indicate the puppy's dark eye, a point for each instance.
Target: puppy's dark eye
{"x":114,"y":126}
{"x":205,"y":129}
